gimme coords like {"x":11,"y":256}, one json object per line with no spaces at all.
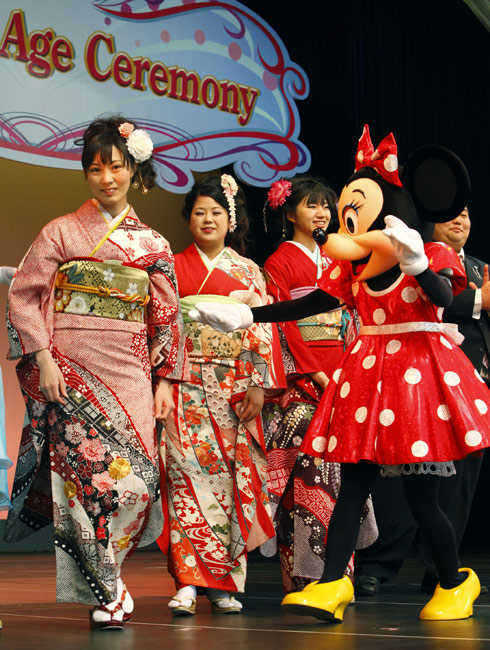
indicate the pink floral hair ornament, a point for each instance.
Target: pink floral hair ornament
{"x":138,"y":141}
{"x":230,"y":189}
{"x":276,"y":196}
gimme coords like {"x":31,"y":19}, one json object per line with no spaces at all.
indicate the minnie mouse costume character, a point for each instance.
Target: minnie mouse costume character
{"x":404,"y":397}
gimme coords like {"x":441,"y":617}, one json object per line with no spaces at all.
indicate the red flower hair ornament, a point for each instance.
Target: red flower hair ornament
{"x":276,"y":196}
{"x":278,"y":193}
{"x":383,"y":159}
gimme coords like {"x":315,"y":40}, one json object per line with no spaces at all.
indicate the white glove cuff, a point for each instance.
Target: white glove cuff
{"x":416,"y":266}
{"x":246,"y":316}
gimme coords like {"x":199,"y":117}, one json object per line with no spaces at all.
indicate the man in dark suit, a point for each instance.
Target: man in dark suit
{"x":469,"y":309}
{"x":397,"y":528}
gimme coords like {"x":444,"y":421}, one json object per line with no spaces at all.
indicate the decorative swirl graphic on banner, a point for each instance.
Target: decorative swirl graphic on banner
{"x":210,"y":81}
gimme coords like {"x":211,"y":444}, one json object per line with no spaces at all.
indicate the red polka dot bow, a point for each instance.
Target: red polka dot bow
{"x":384,"y":159}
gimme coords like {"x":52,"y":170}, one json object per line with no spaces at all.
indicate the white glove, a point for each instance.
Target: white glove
{"x":223,"y":317}
{"x":6,"y":274}
{"x":408,"y":246}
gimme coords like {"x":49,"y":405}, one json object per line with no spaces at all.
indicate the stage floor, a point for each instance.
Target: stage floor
{"x":33,"y":621}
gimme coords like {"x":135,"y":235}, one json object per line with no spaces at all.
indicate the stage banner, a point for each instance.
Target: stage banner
{"x":210,"y":81}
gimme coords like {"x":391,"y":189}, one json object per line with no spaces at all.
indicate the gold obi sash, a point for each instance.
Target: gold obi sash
{"x":204,"y":341}
{"x":105,"y":289}
{"x":322,"y":327}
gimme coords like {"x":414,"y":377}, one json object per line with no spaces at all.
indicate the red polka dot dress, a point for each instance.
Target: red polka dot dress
{"x":404,"y":392}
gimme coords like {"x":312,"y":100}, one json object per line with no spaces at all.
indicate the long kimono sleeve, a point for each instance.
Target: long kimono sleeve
{"x":278,"y":284}
{"x":30,"y":303}
{"x":168,"y":355}
{"x":261,"y":344}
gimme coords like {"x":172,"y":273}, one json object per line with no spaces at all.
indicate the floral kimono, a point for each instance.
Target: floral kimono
{"x":101,"y":295}
{"x":215,"y":464}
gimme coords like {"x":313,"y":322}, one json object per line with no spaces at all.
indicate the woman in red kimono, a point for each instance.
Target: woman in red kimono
{"x":214,"y":447}
{"x":94,"y":317}
{"x":302,"y":493}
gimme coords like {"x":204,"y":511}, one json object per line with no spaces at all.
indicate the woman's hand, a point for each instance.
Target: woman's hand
{"x":252,"y":404}
{"x":320,"y":378}
{"x":51,"y":381}
{"x":163,"y":400}
{"x":6,"y":274}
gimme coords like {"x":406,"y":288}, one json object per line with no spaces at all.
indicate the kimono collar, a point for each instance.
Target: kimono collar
{"x":209,"y":263}
{"x":108,"y":217}
{"x":314,"y":256}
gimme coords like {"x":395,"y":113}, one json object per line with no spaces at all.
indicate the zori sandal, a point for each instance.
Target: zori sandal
{"x":184,"y":602}
{"x":226,"y":605}
{"x":107,"y":617}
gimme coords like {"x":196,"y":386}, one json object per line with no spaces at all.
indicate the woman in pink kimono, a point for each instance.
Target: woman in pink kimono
{"x":93,"y":315}
{"x":214,"y":444}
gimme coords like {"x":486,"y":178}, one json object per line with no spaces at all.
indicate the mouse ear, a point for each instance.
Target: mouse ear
{"x":438,"y":182}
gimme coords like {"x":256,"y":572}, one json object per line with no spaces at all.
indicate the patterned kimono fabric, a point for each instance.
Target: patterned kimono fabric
{"x":303,"y":493}
{"x":5,"y":461}
{"x":215,"y":464}
{"x":111,"y":319}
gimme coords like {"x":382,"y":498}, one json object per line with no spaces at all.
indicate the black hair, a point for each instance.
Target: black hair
{"x":211,"y":186}
{"x":101,"y":136}
{"x":314,"y":190}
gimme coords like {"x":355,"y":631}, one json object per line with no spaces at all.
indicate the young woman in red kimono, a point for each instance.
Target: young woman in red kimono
{"x":302,"y":493}
{"x":214,"y":447}
{"x":94,"y":317}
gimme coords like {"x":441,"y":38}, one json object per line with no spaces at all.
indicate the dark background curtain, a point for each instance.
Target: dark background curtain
{"x":419,"y":68}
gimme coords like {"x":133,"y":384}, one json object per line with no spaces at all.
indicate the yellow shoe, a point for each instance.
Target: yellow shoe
{"x":453,"y":604}
{"x":325,"y":601}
